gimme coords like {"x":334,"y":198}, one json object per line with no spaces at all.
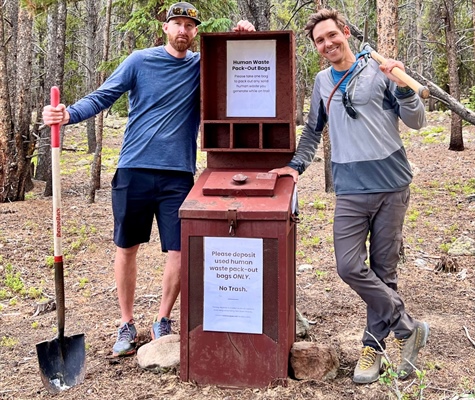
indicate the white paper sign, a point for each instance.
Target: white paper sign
{"x":251,"y":78}
{"x":233,"y":285}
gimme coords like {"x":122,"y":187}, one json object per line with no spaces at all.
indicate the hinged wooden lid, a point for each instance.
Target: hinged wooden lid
{"x":234,"y":183}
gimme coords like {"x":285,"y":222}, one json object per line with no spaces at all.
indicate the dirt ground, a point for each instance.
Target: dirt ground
{"x":441,"y":211}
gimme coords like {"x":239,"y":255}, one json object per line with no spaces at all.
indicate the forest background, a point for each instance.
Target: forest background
{"x":75,"y":44}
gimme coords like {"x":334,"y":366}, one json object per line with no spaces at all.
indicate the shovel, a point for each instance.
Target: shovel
{"x":62,"y":360}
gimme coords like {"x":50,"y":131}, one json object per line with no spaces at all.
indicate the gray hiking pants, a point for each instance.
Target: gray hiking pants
{"x":382,"y":216}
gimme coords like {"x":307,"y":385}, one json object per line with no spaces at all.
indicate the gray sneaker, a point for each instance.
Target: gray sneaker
{"x":368,"y":367}
{"x":161,"y":328}
{"x":409,"y":349}
{"x":126,"y":340}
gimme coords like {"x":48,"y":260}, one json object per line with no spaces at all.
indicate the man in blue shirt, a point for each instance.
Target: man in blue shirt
{"x":157,"y":160}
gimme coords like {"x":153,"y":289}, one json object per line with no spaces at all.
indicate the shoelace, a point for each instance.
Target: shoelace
{"x":124,"y":333}
{"x":165,"y":327}
{"x":368,"y":357}
{"x":400,"y":343}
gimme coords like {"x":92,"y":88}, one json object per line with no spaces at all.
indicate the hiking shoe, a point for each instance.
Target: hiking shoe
{"x":126,"y":340}
{"x":369,"y":366}
{"x":162,"y":328}
{"x":409,"y":349}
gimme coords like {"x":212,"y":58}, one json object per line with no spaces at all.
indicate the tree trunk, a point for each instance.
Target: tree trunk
{"x":257,"y":12}
{"x":419,"y":37}
{"x":6,"y":122}
{"x":387,"y":27}
{"x":327,"y":147}
{"x":91,"y":33}
{"x":473,"y":24}
{"x":16,"y":142}
{"x":456,"y":137}
{"x":39,"y":100}
{"x":56,"y":19}
{"x":60,"y":51}
{"x":25,"y":141}
{"x":327,"y":151}
{"x":11,"y":30}
{"x":97,"y":161}
{"x":61,"y":43}
{"x":160,"y":16}
{"x":300,"y":99}
{"x":43,"y":166}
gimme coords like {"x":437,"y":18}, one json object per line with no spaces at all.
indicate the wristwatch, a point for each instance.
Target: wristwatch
{"x":403,"y":90}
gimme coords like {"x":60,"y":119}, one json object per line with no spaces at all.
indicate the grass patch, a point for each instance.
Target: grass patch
{"x":110,"y":157}
{"x":461,"y":188}
{"x":78,"y":237}
{"x":14,"y":285}
{"x":413,"y":215}
{"x":320,"y":274}
{"x":8,"y":342}
{"x":83,"y":282}
{"x":319,"y":204}
{"x":13,"y":279}
{"x":311,"y":241}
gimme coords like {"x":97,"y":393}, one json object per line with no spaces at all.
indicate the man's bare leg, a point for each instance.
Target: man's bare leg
{"x":125,"y":268}
{"x":170,"y":284}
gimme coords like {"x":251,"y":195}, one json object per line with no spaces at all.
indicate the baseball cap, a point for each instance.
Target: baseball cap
{"x":183,"y":9}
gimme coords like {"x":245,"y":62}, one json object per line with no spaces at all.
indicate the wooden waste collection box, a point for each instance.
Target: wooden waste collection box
{"x":238,"y":225}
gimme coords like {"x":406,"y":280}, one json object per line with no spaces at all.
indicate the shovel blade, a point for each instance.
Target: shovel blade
{"x":62,"y":362}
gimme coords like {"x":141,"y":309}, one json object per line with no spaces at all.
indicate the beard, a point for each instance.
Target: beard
{"x":180,"y":43}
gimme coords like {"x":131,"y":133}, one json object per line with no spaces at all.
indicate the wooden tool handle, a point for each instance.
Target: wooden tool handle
{"x":58,"y":251}
{"x":421,"y":90}
{"x":55,"y":168}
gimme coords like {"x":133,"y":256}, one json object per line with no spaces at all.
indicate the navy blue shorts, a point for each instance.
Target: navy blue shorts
{"x":140,"y":194}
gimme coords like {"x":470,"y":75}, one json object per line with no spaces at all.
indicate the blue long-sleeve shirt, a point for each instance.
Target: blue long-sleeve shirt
{"x":164,"y":109}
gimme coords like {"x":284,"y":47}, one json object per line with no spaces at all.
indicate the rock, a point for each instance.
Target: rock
{"x":310,"y":360}
{"x":42,"y":307}
{"x":463,"y":246}
{"x":301,"y":324}
{"x":161,"y":354}
{"x":421,"y":263}
{"x":415,"y":169}
{"x":305,"y":267}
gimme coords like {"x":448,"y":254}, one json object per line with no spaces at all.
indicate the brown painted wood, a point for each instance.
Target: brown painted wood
{"x":229,"y":139}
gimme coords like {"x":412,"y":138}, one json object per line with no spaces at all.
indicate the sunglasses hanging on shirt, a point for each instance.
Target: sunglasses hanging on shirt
{"x":350,"y":110}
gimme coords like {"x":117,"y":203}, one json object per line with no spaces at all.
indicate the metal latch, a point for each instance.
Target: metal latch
{"x":232,"y":221}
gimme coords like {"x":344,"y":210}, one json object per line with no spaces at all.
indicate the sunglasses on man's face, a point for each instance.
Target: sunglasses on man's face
{"x":182,"y":11}
{"x":350,"y":110}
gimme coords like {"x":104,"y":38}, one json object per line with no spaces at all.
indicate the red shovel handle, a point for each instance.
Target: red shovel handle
{"x":54,"y":94}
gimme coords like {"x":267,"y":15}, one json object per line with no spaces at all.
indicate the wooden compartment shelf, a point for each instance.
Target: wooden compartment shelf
{"x":276,"y":136}
{"x":231,"y":139}
{"x":216,"y":136}
{"x":245,"y":136}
